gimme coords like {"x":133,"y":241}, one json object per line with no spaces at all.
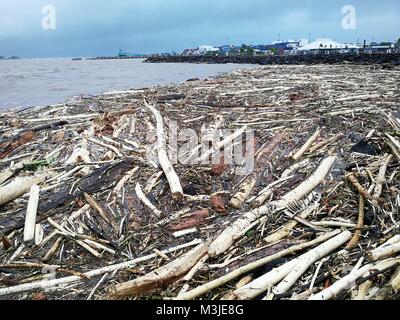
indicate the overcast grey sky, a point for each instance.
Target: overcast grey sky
{"x":90,"y":27}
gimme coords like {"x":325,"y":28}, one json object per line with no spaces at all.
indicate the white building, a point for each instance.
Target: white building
{"x":206,"y":49}
{"x":327,"y":45}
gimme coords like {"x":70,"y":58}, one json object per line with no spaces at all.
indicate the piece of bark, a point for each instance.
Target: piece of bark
{"x":193,"y":220}
{"x":218,"y":204}
{"x":9,"y":146}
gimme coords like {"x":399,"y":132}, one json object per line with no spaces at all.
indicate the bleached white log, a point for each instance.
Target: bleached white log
{"x":235,"y":230}
{"x":310,"y":258}
{"x":293,"y":268}
{"x":201,"y":290}
{"x":310,"y":184}
{"x":52,"y":284}
{"x":20,"y":186}
{"x":348,"y":281}
{"x":172,"y":177}
{"x":384,"y":252}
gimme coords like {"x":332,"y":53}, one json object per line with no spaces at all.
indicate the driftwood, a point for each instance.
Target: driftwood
{"x":162,"y":276}
{"x":291,"y":271}
{"x":230,"y":234}
{"x":199,"y":291}
{"x":172,"y":177}
{"x":361,"y":215}
{"x":307,"y":145}
{"x":99,"y":180}
{"x":51,"y":284}
{"x":110,"y":145}
{"x":349,"y":281}
{"x":20,"y":186}
{"x":31,"y":211}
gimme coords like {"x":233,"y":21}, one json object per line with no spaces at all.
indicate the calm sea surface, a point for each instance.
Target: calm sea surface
{"x":37,"y":82}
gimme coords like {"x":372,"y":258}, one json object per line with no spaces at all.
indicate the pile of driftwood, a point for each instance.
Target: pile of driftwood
{"x":93,"y":204}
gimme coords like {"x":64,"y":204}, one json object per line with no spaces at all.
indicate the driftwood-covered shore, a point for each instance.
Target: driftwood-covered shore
{"x":388,"y":59}
{"x":100,"y":199}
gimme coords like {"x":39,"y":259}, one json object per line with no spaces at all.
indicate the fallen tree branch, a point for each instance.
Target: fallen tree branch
{"x":360,"y":224}
{"x":142,"y":197}
{"x":349,"y":281}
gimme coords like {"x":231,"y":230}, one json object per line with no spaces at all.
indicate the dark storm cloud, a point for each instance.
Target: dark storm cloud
{"x":88,"y":27}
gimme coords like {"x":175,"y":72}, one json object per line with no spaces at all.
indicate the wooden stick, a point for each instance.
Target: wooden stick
{"x":31,"y":212}
{"x":219,"y":145}
{"x":354,"y":181}
{"x":152,"y":181}
{"x":288,"y":227}
{"x":360,"y":224}
{"x":123,"y":181}
{"x":380,"y":180}
{"x":51,"y":284}
{"x":325,"y":142}
{"x":172,"y":177}
{"x":307,"y":145}
{"x":93,"y":203}
{"x":264,"y":194}
{"x":142,"y":197}
{"x":201,"y":290}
